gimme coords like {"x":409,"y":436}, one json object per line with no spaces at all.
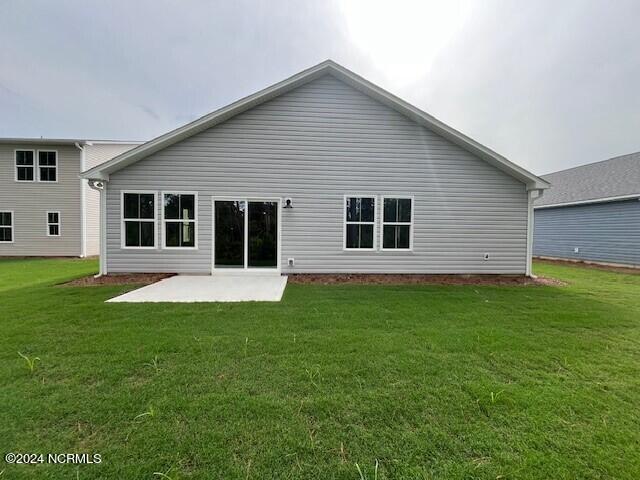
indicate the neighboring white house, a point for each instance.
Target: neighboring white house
{"x":45,"y":208}
{"x":323,"y":172}
{"x":592,"y":213}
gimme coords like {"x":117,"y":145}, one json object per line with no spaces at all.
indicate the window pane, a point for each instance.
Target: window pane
{"x":187,"y":207}
{"x":366,"y":236}
{"x":131,"y":205}
{"x":353,"y":236}
{"x":5,"y":234}
{"x":389,"y":236}
{"x":367,"y":207}
{"x":47,"y":174}
{"x":132,"y":234}
{"x":24,"y":157}
{"x":172,"y":234}
{"x":390,"y":210}
{"x":146,"y":205}
{"x":187,"y":234}
{"x":404,"y":210}
{"x":52,"y":217}
{"x":171,"y":206}
{"x":147,"y":234}
{"x":25,"y":173}
{"x":54,"y":230}
{"x":353,"y":210}
{"x":47,"y":159}
{"x":5,"y":219}
{"x":402,"y":236}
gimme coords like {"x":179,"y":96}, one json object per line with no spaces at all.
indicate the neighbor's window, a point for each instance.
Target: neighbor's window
{"x":180,"y":220}
{"x":25,"y":169}
{"x":47,"y":166}
{"x":139,"y":220}
{"x":359,"y":226}
{"x":397,"y":223}
{"x":53,"y":224}
{"x":6,"y":227}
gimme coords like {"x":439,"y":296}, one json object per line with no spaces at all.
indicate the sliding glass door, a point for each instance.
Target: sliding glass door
{"x":245,"y":234}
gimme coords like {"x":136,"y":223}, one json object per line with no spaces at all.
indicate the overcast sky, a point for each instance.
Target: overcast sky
{"x":549,"y":85}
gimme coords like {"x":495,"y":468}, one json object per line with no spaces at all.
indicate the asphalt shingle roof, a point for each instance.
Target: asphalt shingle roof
{"x":615,"y":177}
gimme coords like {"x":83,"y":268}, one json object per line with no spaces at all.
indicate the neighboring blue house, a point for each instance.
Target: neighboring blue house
{"x":591,"y":213}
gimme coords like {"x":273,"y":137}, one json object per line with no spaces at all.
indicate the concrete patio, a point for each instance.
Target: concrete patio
{"x":216,"y":288}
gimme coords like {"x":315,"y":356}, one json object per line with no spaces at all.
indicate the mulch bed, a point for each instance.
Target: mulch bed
{"x":416,"y":279}
{"x":118,"y":279}
{"x":596,"y":266}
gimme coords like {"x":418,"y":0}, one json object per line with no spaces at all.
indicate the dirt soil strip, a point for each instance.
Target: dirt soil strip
{"x":596,"y":266}
{"x":416,"y":279}
{"x":118,"y":279}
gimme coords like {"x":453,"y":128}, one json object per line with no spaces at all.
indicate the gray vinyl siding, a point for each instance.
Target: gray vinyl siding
{"x":31,"y":200}
{"x":96,"y":154}
{"x":315,"y":144}
{"x":604,"y":232}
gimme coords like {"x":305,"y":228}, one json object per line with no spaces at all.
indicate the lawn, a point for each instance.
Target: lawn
{"x":427,"y":381}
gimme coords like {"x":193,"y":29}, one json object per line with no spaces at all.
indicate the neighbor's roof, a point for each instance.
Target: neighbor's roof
{"x":614,"y":179}
{"x":64,"y":141}
{"x":327,"y":67}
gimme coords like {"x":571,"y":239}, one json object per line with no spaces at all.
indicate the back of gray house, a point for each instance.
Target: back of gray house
{"x":322,"y":173}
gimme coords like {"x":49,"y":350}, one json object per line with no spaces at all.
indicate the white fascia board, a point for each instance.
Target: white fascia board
{"x":586,"y":202}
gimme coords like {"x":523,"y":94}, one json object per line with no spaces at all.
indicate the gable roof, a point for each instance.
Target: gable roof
{"x":614,"y":179}
{"x":329,"y":67}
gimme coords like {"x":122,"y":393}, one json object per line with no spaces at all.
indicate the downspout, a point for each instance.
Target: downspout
{"x":101,"y":186}
{"x":530,"y":227}
{"x":83,"y":202}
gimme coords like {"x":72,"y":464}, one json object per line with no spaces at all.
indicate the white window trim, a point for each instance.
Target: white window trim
{"x":154,"y":220}
{"x":13,"y":224}
{"x":37,"y":163}
{"x":383,"y":223}
{"x":345,"y":223}
{"x":164,"y":221}
{"x":34,"y":166}
{"x":59,"y":224}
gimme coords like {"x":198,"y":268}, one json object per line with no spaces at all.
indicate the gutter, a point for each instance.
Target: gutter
{"x":593,"y":200}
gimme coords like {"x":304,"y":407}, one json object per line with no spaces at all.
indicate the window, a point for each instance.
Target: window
{"x":360,"y":214}
{"x":6,"y":227}
{"x":138,"y":219}
{"x":53,"y":224}
{"x":179,"y":218}
{"x":47,"y":166}
{"x":24,"y":166}
{"x":397,"y":220}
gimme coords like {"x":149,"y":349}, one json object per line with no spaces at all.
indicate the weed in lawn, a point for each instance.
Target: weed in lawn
{"x":31,"y":362}
{"x":494,"y":396}
{"x":246,"y":344}
{"x":154,"y":363}
{"x":363,"y":476}
{"x":149,"y":413}
{"x":164,"y":475}
{"x":314,"y":375}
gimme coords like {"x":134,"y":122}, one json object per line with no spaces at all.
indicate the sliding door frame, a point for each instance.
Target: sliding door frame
{"x":246,"y":269}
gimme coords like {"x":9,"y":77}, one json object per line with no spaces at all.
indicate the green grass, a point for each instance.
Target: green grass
{"x":430,"y":381}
